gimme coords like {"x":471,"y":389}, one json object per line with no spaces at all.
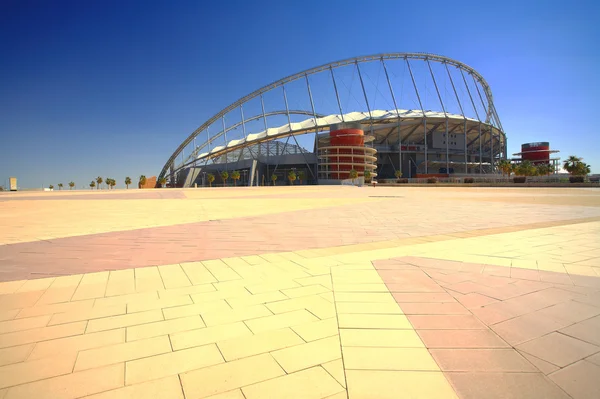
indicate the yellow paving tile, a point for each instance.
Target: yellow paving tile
{"x":55,"y":308}
{"x":61,"y":290}
{"x":363,"y":297}
{"x":105,"y":355}
{"x":367,"y":384}
{"x":40,"y":284}
{"x":305,"y":291}
{"x":173,"y":276}
{"x":15,"y":354}
{"x":124,"y":299}
{"x":215,"y":296}
{"x":10,"y":287}
{"x":194,"y":289}
{"x":148,"y":279}
{"x":339,"y":395}
{"x":225,"y":274}
{"x":92,"y":285}
{"x":380,"y":338}
{"x":21,"y":373}
{"x":24,"y":324}
{"x":235,"y":394}
{"x":325,"y":281}
{"x":360,"y":287}
{"x":213,"y":318}
{"x":416,"y":359}
{"x":314,"y":383}
{"x":282,"y":320}
{"x":257,"y":299}
{"x":253,"y":259}
{"x":229,"y":376}
{"x":237,"y":348}
{"x":65,"y":346}
{"x":71,"y":386}
{"x":42,"y":334}
{"x":163,"y":303}
{"x":272,"y":286}
{"x":208,"y":335}
{"x":310,"y":302}
{"x":164,"y":327}
{"x":336,"y":369}
{"x":88,"y":314}
{"x":368,"y":307}
{"x":317,"y":329}
{"x":196,"y":309}
{"x":120,"y":282}
{"x":166,"y":388}
{"x":172,"y":363}
{"x":385,"y":321}
{"x":9,"y":314}
{"x":307,"y":355}
{"x":197,"y":273}
{"x":109,"y":323}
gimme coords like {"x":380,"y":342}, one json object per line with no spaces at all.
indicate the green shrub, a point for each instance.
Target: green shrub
{"x":469,"y":180}
{"x":519,"y":179}
{"x":432,"y":180}
{"x":576,"y":179}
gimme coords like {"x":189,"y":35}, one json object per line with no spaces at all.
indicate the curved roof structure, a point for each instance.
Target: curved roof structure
{"x":479,"y":99}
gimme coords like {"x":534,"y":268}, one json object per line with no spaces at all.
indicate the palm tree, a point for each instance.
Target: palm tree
{"x":570,"y":164}
{"x":127,"y":182}
{"x":544,"y":169}
{"x":300,"y":176}
{"x":273,"y":178}
{"x":162,"y":181}
{"x":113,"y":183}
{"x":353,"y":174}
{"x":398,"y":174}
{"x":108,"y":181}
{"x":505,"y":167}
{"x":60,"y":186}
{"x":291,"y":177}
{"x":71,"y":185}
{"x":142,"y":181}
{"x":99,"y":180}
{"x":92,"y":184}
{"x":224,"y":177}
{"x":51,"y":187}
{"x":211,"y":178}
{"x":235,"y":176}
{"x":367,"y":176}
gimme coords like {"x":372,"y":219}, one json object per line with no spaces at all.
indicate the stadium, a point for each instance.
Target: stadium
{"x":418,"y":114}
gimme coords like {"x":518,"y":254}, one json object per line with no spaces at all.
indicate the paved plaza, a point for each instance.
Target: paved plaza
{"x":300,"y":292}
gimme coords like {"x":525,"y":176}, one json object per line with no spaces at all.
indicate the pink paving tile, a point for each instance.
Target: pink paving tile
{"x":422,"y":297}
{"x":477,"y":385}
{"x":475,"y":300}
{"x":433,"y":308}
{"x":558,"y":349}
{"x":488,"y":360}
{"x":586,"y":330}
{"x":527,"y":327}
{"x":580,"y":380}
{"x":461,"y":339}
{"x":445,"y":322}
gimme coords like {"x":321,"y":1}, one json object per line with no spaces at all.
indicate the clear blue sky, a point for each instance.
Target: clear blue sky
{"x":111,"y":88}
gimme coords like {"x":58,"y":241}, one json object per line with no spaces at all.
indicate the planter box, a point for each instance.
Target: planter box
{"x":519,"y":179}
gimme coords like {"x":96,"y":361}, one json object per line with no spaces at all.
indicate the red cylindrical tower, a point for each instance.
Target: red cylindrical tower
{"x":536,"y":152}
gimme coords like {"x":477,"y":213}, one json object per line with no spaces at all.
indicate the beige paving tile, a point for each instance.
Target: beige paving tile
{"x":229,"y":376}
{"x":307,"y":355}
{"x":124,"y":299}
{"x":361,"y":358}
{"x":380,"y":338}
{"x":148,"y":279}
{"x":55,"y":308}
{"x":307,"y":384}
{"x":368,"y":307}
{"x":109,"y":323}
{"x":42,"y":334}
{"x":235,"y":394}
{"x":197,"y":273}
{"x":24,"y":372}
{"x":194,"y":289}
{"x":120,"y":282}
{"x":92,"y":285}
{"x":196,"y":309}
{"x":173,"y":276}
{"x":375,"y":287}
{"x":336,"y":369}
{"x":65,"y":346}
{"x":258,"y":299}
{"x":88,"y":314}
{"x":208,"y":335}
{"x":305,"y":291}
{"x":213,"y":318}
{"x":461,"y":339}
{"x":363,"y":384}
{"x":24,"y":324}
{"x":339,"y":395}
{"x":245,"y":346}
{"x":281,"y":320}
{"x":159,"y":328}
{"x":379,"y":297}
{"x":217,"y":295}
{"x":166,"y":388}
{"x":9,"y":314}
{"x":15,"y":354}
{"x":172,"y":363}
{"x":317,"y":329}
{"x":72,"y":386}
{"x":385,"y":321}
{"x":118,"y":353}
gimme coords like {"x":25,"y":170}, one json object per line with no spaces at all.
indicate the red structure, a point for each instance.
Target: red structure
{"x":536,"y":153}
{"x":343,"y":150}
